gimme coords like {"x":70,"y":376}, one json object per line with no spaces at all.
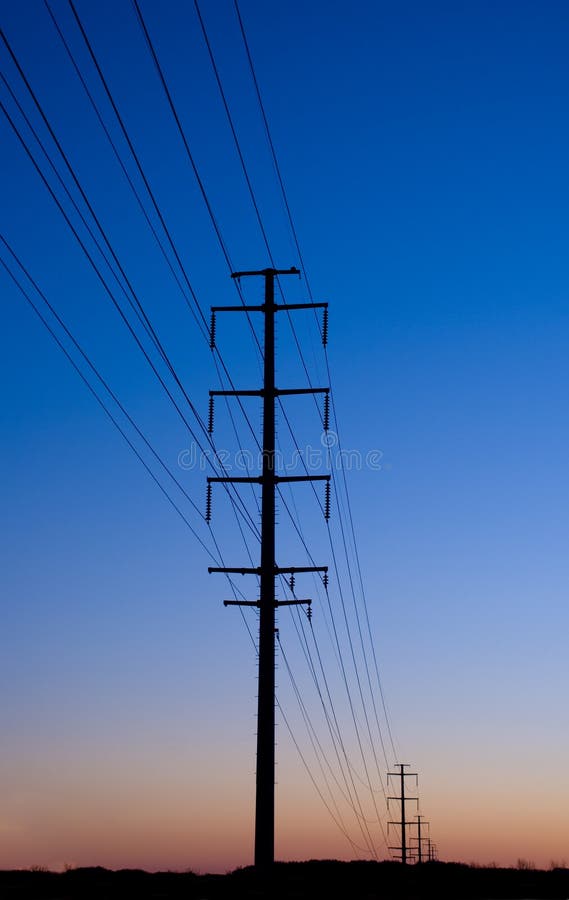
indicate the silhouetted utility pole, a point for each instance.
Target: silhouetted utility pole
{"x":402,"y":775}
{"x":268,"y":569}
{"x":431,"y":850}
{"x":420,"y":825}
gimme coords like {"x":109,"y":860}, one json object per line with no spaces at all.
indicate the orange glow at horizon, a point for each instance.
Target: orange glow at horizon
{"x":189,"y":829}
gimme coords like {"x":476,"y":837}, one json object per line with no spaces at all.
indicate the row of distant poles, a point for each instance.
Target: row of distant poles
{"x":415,"y":847}
{"x":268,"y":569}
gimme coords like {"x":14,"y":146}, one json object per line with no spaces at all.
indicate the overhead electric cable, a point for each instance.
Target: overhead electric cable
{"x":98,"y":375}
{"x":179,"y":125}
{"x":249,"y":186}
{"x":151,"y":194}
{"x":102,"y":403}
{"x":217,"y":560}
{"x":265,"y":238}
{"x":303,"y":266}
{"x":135,"y":303}
{"x":271,"y":145}
{"x":197,"y":313}
{"x":285,"y":503}
{"x":191,"y":159}
{"x":319,"y":751}
{"x":117,"y":306}
{"x":335,"y":732}
{"x":345,"y":616}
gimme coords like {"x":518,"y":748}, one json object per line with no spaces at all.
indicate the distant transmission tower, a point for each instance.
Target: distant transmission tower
{"x":421,"y":838}
{"x":402,"y":799}
{"x":268,"y":569}
{"x":431,"y":851}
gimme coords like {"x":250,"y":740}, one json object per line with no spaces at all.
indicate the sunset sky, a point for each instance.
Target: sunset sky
{"x":424,"y":149}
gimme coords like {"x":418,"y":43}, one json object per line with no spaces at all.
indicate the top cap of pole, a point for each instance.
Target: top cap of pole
{"x":292,"y":271}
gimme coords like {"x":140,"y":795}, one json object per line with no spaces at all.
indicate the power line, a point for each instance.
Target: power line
{"x":190,"y":157}
{"x":216,"y":227}
{"x":336,"y":736}
{"x":140,"y":458}
{"x":198,"y":316}
{"x":318,"y":751}
{"x":125,"y":437}
{"x":244,"y":512}
{"x":345,"y":549}
{"x":198,"y":177}
{"x":272,"y":147}
{"x":96,"y":395}
{"x":297,"y":245}
{"x":147,"y":185}
{"x":265,"y":238}
{"x":219,"y":559}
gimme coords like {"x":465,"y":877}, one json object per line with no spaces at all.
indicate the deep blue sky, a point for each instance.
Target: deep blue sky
{"x":424,"y":148}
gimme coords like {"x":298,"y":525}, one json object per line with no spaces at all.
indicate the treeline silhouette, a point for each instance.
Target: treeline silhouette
{"x":324,"y":879}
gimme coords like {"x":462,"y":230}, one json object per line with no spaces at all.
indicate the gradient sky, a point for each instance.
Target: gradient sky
{"x":424,"y":148}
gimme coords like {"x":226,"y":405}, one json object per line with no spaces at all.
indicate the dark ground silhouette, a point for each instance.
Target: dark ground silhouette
{"x":293,"y":881}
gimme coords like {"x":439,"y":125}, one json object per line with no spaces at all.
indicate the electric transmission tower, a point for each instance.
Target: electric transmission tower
{"x":402,"y":800}
{"x":431,"y":851}
{"x":421,"y":838}
{"x":268,"y":569}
